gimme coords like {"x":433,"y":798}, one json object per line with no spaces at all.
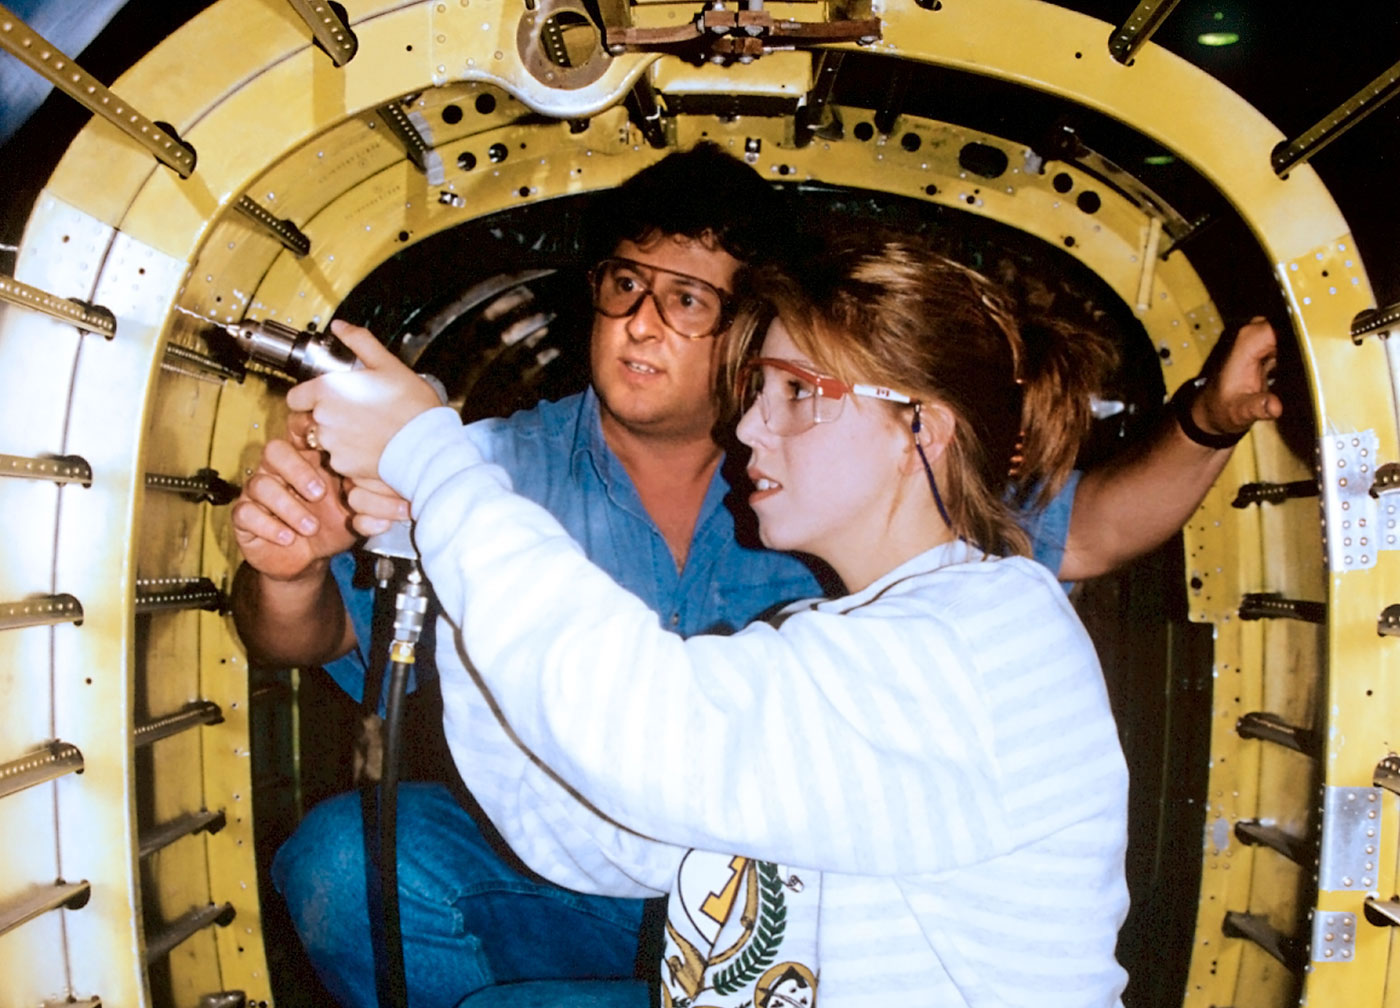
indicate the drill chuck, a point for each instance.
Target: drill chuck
{"x":301,"y":354}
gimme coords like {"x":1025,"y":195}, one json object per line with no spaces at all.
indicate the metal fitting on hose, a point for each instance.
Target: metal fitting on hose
{"x":410,"y":608}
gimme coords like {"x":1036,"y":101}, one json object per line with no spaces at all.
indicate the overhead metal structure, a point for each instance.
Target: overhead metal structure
{"x":136,"y":881}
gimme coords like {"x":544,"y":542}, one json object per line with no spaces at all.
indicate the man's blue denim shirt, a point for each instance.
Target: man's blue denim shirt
{"x":556,"y":456}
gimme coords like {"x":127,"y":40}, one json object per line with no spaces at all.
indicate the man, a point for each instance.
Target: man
{"x":632,"y":471}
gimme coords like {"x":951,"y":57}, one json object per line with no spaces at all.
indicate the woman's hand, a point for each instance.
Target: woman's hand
{"x":356,"y":413}
{"x":373,"y":504}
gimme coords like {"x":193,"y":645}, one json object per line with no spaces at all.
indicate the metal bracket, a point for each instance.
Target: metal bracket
{"x":1382,"y":913}
{"x":1257,"y":834}
{"x":40,"y":900}
{"x":1272,"y":728}
{"x":1302,"y":147}
{"x":1333,"y":936}
{"x":160,"y":837}
{"x":204,"y":485}
{"x":1351,"y":828}
{"x":281,"y":228}
{"x":53,"y":468}
{"x":40,"y":610}
{"x":1133,"y":33}
{"x":53,"y":761}
{"x":327,"y":22}
{"x":1271,"y":605}
{"x":1387,"y":480}
{"x":219,"y":371}
{"x":1375,"y":322}
{"x":90,"y":318}
{"x":416,"y":139}
{"x":1257,"y":929}
{"x":199,"y":712}
{"x":159,"y":945}
{"x":1273,"y":493}
{"x":1387,"y":774}
{"x":180,"y":593}
{"x":45,"y":59}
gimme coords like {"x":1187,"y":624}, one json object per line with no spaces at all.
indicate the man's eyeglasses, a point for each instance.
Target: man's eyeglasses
{"x":792,"y":398}
{"x":691,"y":307}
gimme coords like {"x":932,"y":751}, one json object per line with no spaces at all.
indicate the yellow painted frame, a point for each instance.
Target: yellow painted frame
{"x":266,"y":111}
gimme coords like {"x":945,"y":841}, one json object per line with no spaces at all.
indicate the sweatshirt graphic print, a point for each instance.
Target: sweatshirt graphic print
{"x":740,"y":933}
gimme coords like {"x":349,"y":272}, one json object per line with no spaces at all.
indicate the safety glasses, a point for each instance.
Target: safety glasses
{"x":792,"y":398}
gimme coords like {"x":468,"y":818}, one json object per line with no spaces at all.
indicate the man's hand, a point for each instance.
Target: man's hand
{"x":356,"y":413}
{"x":1132,"y":504}
{"x":1238,"y":393}
{"x":290,"y":516}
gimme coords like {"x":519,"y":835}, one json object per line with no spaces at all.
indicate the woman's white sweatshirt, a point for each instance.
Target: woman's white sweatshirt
{"x":938,"y":746}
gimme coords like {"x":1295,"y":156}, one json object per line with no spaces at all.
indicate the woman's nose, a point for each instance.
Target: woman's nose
{"x":752,"y":428}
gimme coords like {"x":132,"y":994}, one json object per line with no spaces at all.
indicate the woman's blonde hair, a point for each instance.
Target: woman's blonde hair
{"x":885,"y":309}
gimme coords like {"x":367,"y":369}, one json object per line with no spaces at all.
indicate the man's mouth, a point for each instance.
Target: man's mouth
{"x":640,"y":368}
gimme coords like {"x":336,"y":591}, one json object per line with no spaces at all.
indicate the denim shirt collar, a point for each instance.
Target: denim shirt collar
{"x":590,"y":449}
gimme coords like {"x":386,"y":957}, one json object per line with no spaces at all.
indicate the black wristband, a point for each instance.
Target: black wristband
{"x":1182,"y":401}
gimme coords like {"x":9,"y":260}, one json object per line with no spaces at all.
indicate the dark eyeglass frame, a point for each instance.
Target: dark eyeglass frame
{"x":647,"y":274}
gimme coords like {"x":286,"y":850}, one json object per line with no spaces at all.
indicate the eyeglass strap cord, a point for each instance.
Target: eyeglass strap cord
{"x":917,"y":426}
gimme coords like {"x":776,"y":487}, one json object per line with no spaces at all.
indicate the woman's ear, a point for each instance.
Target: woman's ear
{"x":935,"y":424}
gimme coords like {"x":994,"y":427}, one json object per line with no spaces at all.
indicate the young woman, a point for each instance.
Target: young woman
{"x":910,"y":794}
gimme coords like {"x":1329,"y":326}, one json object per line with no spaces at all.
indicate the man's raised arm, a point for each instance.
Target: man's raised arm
{"x":1131,"y":505}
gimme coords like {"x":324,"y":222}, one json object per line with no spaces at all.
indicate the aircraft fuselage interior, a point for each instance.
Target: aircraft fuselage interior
{"x":421,"y":167}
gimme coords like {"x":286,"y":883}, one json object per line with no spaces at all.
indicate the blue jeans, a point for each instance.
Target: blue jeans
{"x":470,"y":920}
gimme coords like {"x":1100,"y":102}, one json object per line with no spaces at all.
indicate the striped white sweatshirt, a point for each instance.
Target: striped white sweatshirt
{"x":938,"y":746}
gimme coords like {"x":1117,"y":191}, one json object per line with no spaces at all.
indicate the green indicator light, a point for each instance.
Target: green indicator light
{"x":1159,"y":159}
{"x":1219,"y":38}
